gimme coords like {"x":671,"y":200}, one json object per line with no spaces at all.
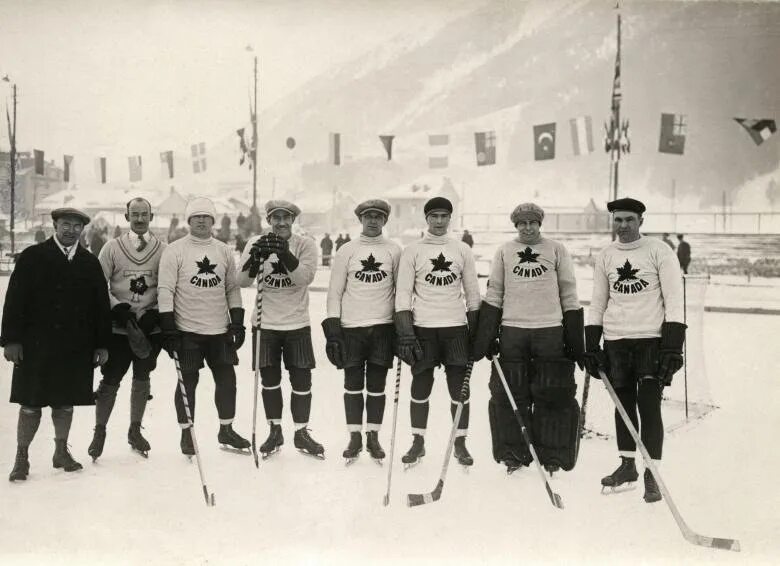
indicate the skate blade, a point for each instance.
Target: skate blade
{"x":379,"y":461}
{"x":410,"y":465}
{"x":266,"y":455}
{"x":316,"y":456}
{"x":628,"y":486}
{"x":349,"y":461}
{"x":144,"y":453}
{"x":234,"y":450}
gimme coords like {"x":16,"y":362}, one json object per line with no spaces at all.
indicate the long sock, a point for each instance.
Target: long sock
{"x":139,"y":394}
{"x":455,"y":377}
{"x":627,"y":397}
{"x":649,"y":405}
{"x":29,"y":420}
{"x":225,"y":392}
{"x":376,"y":379}
{"x":353,"y":397}
{"x":190,"y":386}
{"x":104,"y":402}
{"x":62,"y":417}
{"x":300,"y":398}
{"x":272,"y":393}
{"x":422,"y":385}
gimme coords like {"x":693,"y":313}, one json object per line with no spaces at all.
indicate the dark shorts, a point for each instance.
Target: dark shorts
{"x":372,"y":344}
{"x":448,"y":346}
{"x":292,"y":346}
{"x":631,"y":359}
{"x":120,"y":357}
{"x":216,"y":350}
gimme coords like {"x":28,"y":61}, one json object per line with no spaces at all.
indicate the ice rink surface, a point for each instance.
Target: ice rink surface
{"x":721,"y":470}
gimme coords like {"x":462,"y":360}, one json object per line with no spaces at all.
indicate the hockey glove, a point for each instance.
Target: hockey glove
{"x":137,"y":341}
{"x":149,"y":321}
{"x":409,"y":349}
{"x":281,"y":248}
{"x":670,"y":358}
{"x":573,"y":336}
{"x":171,"y":335}
{"x":472,"y":319}
{"x":335,"y":347}
{"x":121,"y":314}
{"x":236,"y":329}
{"x":595,"y":358}
{"x":485,"y":341}
{"x":257,"y":254}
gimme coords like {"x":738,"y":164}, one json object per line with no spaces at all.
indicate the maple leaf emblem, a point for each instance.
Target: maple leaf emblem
{"x":625,"y":273}
{"x":527,"y":256}
{"x":138,"y":286}
{"x":441,"y":264}
{"x":278,"y":268}
{"x":370,"y":263}
{"x":205,"y":266}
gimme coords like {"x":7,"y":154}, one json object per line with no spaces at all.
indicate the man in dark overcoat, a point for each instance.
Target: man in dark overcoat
{"x":55,"y":330}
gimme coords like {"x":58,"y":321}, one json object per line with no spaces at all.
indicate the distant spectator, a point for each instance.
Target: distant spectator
{"x":98,"y":240}
{"x":339,"y":242}
{"x":172,"y":229}
{"x":40,"y":235}
{"x":223,"y":234}
{"x":117,"y":231}
{"x":467,"y":239}
{"x":240,"y":221}
{"x":346,"y":239}
{"x":683,"y":253}
{"x":667,"y":241}
{"x":326,"y":245}
{"x":240,"y":242}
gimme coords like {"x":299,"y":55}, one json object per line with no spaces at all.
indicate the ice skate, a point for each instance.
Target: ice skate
{"x":354,"y":448}
{"x":652,"y":493}
{"x":415,"y":453}
{"x":514,"y":462}
{"x":461,"y":452}
{"x":626,"y":474}
{"x":95,"y":449}
{"x":231,"y":441}
{"x":62,"y":457}
{"x":187,"y":447}
{"x":375,"y":449}
{"x":307,"y":445}
{"x":137,"y":441}
{"x":21,"y":465}
{"x":273,"y":443}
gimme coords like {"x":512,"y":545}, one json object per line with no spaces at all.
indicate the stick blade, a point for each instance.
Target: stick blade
{"x":386,"y":500}
{"x":714,"y":542}
{"x":416,"y":499}
{"x":555,"y":499}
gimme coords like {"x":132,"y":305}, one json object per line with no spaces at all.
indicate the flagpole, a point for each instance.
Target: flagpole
{"x":12,"y":164}
{"x":254,"y":148}
{"x":615,"y":133}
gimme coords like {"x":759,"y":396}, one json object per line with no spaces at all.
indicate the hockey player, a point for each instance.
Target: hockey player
{"x":359,"y":328}
{"x":434,"y":326}
{"x":202,"y":319}
{"x":130,"y":264}
{"x":285,"y":330}
{"x":638,"y":307}
{"x":56,"y":329}
{"x":532,"y":298}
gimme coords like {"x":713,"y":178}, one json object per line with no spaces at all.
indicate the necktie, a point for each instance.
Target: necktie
{"x":67,"y":252}
{"x":141,"y":243}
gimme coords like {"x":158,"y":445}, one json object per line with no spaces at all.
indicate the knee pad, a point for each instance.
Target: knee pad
{"x":455,"y":376}
{"x":556,"y":433}
{"x":300,"y":379}
{"x":517,"y":379}
{"x":376,"y":378}
{"x":506,"y":436}
{"x":553,"y":382}
{"x":353,"y":378}
{"x":422,"y":385}
{"x":271,"y":377}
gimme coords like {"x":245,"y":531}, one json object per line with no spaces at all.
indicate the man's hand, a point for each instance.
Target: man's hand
{"x":99,"y":357}
{"x":13,"y":353}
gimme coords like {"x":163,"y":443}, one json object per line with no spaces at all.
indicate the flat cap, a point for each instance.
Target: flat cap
{"x":437,"y":203}
{"x":373,"y":205}
{"x":67,"y":211}
{"x":527,"y":211}
{"x":200,"y":206}
{"x":629,"y":204}
{"x":279,"y":204}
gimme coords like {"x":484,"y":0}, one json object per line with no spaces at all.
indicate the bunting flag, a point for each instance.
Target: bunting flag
{"x":334,"y":148}
{"x":616,"y":141}
{"x":166,"y":157}
{"x":758,"y":130}
{"x":198,"y":157}
{"x":581,"y":135}
{"x":439,"y":146}
{"x":485,"y":146}
{"x":134,"y":165}
{"x":39,"y":165}
{"x":672,"y":138}
{"x":242,"y":147}
{"x":67,"y":160}
{"x":387,"y":142}
{"x":100,"y":170}
{"x":544,"y":141}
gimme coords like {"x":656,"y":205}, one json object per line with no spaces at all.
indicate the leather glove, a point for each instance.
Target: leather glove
{"x":121,"y":314}
{"x":171,"y":342}
{"x":409,"y":349}
{"x":595,"y":358}
{"x":281,"y":248}
{"x":335,"y":346}
{"x":485,"y":340}
{"x":258,"y":253}
{"x":574,"y":337}
{"x":99,"y":356}
{"x":149,"y":321}
{"x":670,"y":358}
{"x":13,"y":352}
{"x":236,"y":329}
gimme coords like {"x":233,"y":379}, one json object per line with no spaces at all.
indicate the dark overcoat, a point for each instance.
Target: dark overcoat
{"x":59,"y":311}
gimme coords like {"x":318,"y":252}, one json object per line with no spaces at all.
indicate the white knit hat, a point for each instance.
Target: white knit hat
{"x":200,"y":206}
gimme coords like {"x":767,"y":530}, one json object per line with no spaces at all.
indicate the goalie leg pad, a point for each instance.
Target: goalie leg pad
{"x":508,"y":441}
{"x":556,"y":433}
{"x":553,"y":383}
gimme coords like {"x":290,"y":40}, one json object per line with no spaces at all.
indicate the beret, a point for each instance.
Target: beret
{"x":437,"y":203}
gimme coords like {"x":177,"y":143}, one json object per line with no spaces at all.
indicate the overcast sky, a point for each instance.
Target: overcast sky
{"x":119,"y":76}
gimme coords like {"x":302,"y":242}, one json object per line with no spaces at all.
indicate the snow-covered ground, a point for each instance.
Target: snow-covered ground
{"x":295,"y":509}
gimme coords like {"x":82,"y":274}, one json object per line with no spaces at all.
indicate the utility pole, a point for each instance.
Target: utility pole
{"x":254,"y":147}
{"x":616,"y":142}
{"x":12,"y":167}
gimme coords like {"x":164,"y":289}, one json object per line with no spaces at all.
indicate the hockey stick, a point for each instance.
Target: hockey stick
{"x":584,"y":407}
{"x":386,"y":500}
{"x":259,"y":308}
{"x":555,"y":499}
{"x":415,"y":499}
{"x":690,"y":536}
{"x":209,"y":496}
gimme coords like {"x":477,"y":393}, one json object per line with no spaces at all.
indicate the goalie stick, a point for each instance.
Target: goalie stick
{"x":690,"y":536}
{"x":555,"y":499}
{"x":415,"y":499}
